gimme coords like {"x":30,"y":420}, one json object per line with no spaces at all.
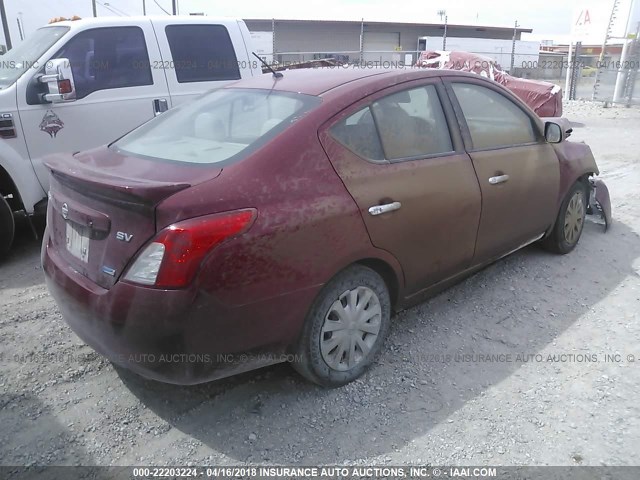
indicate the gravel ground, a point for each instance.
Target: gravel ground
{"x":560,"y":388}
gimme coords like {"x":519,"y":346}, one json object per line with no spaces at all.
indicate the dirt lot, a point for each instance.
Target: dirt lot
{"x":553,"y":397}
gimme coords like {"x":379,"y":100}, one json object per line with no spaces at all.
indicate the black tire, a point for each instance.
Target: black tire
{"x":7,"y":227}
{"x":557,"y":241}
{"x":310,"y":360}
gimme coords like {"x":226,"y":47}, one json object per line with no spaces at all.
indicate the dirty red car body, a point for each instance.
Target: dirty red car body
{"x":295,"y":211}
{"x":545,"y":98}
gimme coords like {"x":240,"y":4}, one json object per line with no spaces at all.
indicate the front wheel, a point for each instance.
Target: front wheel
{"x":7,"y":226}
{"x":345,"y":328}
{"x":570,"y":222}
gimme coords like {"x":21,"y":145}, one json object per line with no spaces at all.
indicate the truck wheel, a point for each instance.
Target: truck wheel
{"x":345,"y":328}
{"x":7,"y":226}
{"x":570,"y":222}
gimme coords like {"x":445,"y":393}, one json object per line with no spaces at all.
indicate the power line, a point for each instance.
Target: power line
{"x":108,"y":8}
{"x":119,"y":10}
{"x":160,"y":6}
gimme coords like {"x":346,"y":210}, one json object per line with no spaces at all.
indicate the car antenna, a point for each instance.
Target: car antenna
{"x":275,"y":74}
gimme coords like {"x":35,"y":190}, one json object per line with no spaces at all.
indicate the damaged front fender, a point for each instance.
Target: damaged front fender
{"x":577,"y":162}
{"x":600,"y":202}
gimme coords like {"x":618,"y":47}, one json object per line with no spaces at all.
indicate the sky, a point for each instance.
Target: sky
{"x":548,"y":19}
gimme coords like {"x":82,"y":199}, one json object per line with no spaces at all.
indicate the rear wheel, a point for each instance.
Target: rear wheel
{"x":7,"y":226}
{"x":570,"y":222}
{"x":345,"y":328}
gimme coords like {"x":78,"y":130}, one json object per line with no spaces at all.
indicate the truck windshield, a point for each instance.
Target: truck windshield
{"x":25,"y":55}
{"x":221,"y":126}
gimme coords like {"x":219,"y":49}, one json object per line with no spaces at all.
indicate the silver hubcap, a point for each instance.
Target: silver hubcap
{"x":574,"y":218}
{"x":350,"y":328}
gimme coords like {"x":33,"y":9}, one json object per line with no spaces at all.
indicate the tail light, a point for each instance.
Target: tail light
{"x":174,"y":256}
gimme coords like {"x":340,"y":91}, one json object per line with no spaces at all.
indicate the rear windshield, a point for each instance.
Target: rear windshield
{"x":220,"y":126}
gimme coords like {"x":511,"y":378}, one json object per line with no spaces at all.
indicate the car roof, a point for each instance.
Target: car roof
{"x":318,"y":81}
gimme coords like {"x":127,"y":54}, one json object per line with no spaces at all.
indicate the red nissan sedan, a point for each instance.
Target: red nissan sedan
{"x":285,"y":219}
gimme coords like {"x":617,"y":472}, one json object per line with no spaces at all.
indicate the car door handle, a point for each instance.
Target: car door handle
{"x":380,"y":209}
{"x":160,"y":105}
{"x":498,"y":179}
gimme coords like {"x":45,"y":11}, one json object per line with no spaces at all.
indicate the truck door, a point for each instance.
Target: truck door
{"x":199,"y":56}
{"x":117,"y":89}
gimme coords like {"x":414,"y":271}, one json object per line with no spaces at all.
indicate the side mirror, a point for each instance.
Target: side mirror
{"x":553,"y":132}
{"x":59,"y":78}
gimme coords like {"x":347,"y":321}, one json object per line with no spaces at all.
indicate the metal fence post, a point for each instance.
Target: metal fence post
{"x":444,"y":37}
{"x":513,"y":47}
{"x":5,"y":25}
{"x":273,"y":41}
{"x":601,"y":63}
{"x":362,"y":41}
{"x":632,"y":75}
{"x":574,"y":70}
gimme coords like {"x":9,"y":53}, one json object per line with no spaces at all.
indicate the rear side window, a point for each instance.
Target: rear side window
{"x":106,"y":58}
{"x":494,"y":121}
{"x":202,"y":53}
{"x":412,"y":124}
{"x":358,"y":133}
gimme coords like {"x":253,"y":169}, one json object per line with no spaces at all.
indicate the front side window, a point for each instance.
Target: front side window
{"x":202,"y":53}
{"x":223,"y":125}
{"x":26,"y":55}
{"x":412,"y":124}
{"x":494,"y":121}
{"x":106,"y":58}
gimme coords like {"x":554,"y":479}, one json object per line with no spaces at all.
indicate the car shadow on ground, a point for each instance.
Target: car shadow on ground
{"x":519,"y":305}
{"x":25,"y":251}
{"x":27,"y":422}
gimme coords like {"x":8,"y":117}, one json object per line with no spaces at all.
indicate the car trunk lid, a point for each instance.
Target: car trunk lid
{"x":102,"y":207}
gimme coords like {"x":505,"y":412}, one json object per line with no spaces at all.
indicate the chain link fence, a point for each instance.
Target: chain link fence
{"x":581,"y":76}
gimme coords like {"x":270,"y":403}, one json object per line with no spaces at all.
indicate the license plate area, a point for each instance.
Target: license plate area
{"x":77,"y":240}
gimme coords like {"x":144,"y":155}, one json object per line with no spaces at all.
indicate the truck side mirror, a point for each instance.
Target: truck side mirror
{"x":59,"y":78}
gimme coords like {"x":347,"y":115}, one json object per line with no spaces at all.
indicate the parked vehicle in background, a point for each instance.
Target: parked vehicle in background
{"x":291,"y":214}
{"x":74,"y":85}
{"x":544,"y":98}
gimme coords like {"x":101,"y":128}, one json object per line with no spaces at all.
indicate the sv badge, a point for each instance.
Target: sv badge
{"x":124,"y":237}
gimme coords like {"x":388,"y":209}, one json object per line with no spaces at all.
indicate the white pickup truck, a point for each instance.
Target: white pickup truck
{"x":74,"y":85}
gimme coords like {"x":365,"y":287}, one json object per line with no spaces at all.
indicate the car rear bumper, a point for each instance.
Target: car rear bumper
{"x":174,"y":336}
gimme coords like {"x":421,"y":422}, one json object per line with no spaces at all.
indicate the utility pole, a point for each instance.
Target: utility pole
{"x":570,"y":66}
{"x":95,"y":11}
{"x":5,"y":25}
{"x":601,"y":65}
{"x":513,"y":47}
{"x":144,"y":7}
{"x":624,"y":71}
{"x":444,"y":37}
{"x":20,"y":29}
{"x":174,"y":6}
{"x":362,"y":41}
{"x":632,"y":74}
{"x":443,"y":13}
{"x":273,"y":41}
